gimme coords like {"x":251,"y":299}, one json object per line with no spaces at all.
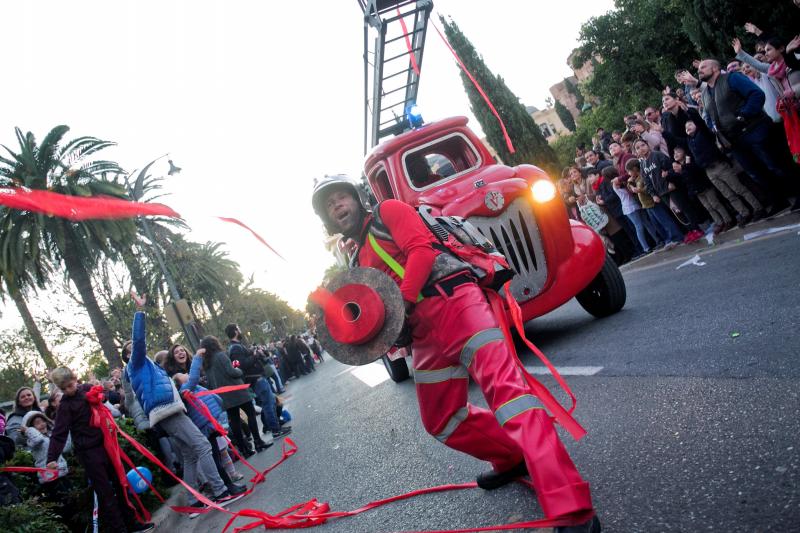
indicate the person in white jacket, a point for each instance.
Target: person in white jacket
{"x":36,"y":428}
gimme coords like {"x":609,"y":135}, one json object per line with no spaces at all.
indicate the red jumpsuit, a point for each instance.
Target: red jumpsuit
{"x":458,"y":336}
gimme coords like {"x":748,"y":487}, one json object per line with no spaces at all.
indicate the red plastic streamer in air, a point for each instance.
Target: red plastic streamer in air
{"x":256,"y":235}
{"x":509,"y":144}
{"x":78,"y":207}
{"x":408,"y":44}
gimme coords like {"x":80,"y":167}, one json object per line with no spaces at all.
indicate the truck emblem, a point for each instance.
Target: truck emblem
{"x":479,"y":184}
{"x":494,"y":200}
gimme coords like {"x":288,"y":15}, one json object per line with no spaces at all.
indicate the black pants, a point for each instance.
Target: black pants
{"x":235,"y":421}
{"x":113,"y":511}
{"x":212,"y":439}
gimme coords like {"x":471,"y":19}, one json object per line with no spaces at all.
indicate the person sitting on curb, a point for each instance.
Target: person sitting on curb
{"x":164,"y":407}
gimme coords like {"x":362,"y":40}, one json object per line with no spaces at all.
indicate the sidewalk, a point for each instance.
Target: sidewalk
{"x":730,"y":238}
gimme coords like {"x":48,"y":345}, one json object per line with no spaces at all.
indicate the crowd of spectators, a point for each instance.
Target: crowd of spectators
{"x":720,"y":151}
{"x":158,"y":394}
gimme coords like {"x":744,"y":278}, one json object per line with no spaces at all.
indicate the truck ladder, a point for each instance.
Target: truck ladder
{"x":388,"y":63}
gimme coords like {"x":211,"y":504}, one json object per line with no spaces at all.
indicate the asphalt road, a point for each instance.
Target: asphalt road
{"x":693,"y":418}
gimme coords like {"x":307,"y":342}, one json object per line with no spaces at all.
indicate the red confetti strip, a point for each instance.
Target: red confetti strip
{"x":411,"y":53}
{"x":479,"y":88}
{"x":256,"y":235}
{"x":78,"y":208}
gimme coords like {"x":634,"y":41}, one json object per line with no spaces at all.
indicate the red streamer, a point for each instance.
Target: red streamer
{"x":408,"y":44}
{"x":103,"y":420}
{"x":509,"y":144}
{"x":562,"y":416}
{"x":78,"y":208}
{"x":256,"y":235}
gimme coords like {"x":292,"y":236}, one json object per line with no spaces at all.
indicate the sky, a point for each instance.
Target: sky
{"x":252,"y":99}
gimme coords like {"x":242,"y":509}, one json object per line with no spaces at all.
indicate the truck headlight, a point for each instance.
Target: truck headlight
{"x":543,"y":191}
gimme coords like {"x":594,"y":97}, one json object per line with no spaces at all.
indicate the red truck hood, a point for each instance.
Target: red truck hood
{"x":467,"y":196}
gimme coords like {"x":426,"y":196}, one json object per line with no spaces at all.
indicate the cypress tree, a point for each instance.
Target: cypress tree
{"x":529,"y":143}
{"x":565,"y":116}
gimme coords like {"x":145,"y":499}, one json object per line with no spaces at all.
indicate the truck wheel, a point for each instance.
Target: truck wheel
{"x":606,"y":294}
{"x":398,"y":370}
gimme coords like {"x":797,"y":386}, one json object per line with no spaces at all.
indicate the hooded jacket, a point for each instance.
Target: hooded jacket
{"x":155,"y":391}
{"x":38,"y":444}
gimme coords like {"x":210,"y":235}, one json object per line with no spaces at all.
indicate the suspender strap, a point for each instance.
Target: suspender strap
{"x":390,"y":261}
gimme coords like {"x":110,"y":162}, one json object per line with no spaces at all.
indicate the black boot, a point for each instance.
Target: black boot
{"x":592,"y":526}
{"x":494,"y":480}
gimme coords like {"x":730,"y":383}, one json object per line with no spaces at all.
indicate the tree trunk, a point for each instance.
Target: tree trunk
{"x":137,"y":275}
{"x":30,"y":325}
{"x":80,"y":277}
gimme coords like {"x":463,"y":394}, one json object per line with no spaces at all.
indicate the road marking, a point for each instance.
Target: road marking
{"x":372,"y":374}
{"x":565,"y":370}
{"x":345,"y":371}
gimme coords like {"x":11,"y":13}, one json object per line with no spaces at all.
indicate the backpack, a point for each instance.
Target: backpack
{"x":461,"y":239}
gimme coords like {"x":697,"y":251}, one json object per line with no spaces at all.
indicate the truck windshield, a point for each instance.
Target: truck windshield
{"x":439,"y":160}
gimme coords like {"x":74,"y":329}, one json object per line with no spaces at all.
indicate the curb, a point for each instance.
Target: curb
{"x":725,"y":240}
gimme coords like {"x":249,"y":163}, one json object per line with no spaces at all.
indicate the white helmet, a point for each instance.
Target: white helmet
{"x":327,"y":185}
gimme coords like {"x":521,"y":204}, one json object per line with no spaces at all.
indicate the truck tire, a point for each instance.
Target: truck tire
{"x":398,"y":370}
{"x":606,"y":294}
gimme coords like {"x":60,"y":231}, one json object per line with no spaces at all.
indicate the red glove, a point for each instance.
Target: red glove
{"x":235,"y":363}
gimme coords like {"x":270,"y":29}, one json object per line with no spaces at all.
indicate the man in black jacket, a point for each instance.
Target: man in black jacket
{"x":254,"y":375}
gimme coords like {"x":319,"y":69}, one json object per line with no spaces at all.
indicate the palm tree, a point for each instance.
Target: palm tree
{"x":67,"y":168}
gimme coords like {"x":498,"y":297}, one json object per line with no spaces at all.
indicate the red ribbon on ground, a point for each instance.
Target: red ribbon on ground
{"x":509,"y":144}
{"x":78,"y":208}
{"x":408,"y":43}
{"x":562,"y":415}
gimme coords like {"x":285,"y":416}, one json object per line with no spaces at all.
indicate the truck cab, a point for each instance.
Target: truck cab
{"x":445,"y":166}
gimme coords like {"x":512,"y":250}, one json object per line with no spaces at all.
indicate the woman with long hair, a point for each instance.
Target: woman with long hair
{"x":178,"y":360}
{"x":25,"y":401}
{"x":220,"y":373}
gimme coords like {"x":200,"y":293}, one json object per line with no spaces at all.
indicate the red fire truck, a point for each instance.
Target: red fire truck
{"x":445,"y":166}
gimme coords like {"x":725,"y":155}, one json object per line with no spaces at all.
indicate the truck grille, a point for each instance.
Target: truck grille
{"x":516,"y":235}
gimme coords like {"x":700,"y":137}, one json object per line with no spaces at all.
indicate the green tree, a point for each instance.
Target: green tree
{"x":17,"y":295}
{"x":639,"y":45}
{"x":529,"y":143}
{"x":18,"y":365}
{"x":66,"y":167}
{"x":712,"y":24}
{"x":565,"y":116}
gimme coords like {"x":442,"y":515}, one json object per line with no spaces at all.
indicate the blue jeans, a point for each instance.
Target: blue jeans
{"x":642,"y":223}
{"x":266,"y":400}
{"x":663,"y":217}
{"x":277,"y":383}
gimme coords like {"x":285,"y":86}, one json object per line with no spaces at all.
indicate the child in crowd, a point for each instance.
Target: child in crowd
{"x":188,"y":383}
{"x":697,"y":185}
{"x":655,"y":167}
{"x":164,"y":407}
{"x":37,"y":428}
{"x":633,"y":210}
{"x":636,"y":186}
{"x":73,"y":420}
